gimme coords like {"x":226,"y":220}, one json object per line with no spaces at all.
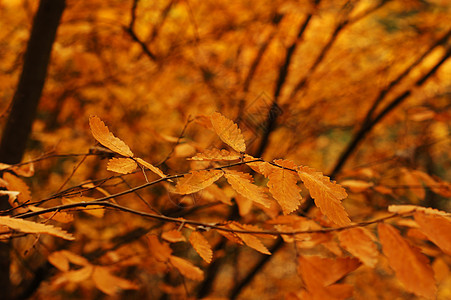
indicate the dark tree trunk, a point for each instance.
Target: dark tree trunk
{"x":25,"y":103}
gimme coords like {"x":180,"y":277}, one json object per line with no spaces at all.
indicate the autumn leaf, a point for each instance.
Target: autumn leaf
{"x":411,"y":266}
{"x":197,"y":180}
{"x":58,"y":216}
{"x":161,"y":251}
{"x":283,"y":186}
{"x":201,"y":245}
{"x":356,"y":186}
{"x":93,"y":210}
{"x":404,"y":209}
{"x":121,"y":165}
{"x":249,"y":239}
{"x":186,"y":268}
{"x":32,"y":227}
{"x":18,"y":185}
{"x":327,"y":195}
{"x":437,"y":229}
{"x":61,"y":259}
{"x":228,"y":132}
{"x":359,"y":243}
{"x":216,"y":155}
{"x":173,"y":236}
{"x":151,"y":167}
{"x":103,"y":135}
{"x":109,"y":283}
{"x":319,"y":271}
{"x":242,"y":184}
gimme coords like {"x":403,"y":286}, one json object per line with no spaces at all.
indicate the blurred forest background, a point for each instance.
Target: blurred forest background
{"x":359,"y":90}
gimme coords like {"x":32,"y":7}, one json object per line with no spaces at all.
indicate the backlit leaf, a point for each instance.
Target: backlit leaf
{"x":59,"y":216}
{"x":249,"y":239}
{"x":173,"y":236}
{"x":201,"y":245}
{"x":186,"y":268}
{"x":242,"y":184}
{"x":103,"y":135}
{"x":197,"y":180}
{"x":228,"y":132}
{"x":18,"y":185}
{"x":327,"y":195}
{"x":32,"y":227}
{"x":151,"y":167}
{"x":403,"y":209}
{"x":411,"y":266}
{"x":121,"y":165}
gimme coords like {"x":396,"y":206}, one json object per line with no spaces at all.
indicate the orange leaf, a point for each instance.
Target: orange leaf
{"x":151,"y":167}
{"x":283,"y":186}
{"x":249,"y":239}
{"x":32,"y":227}
{"x":319,"y":271}
{"x":58,"y":216}
{"x":327,"y":195}
{"x":94,"y":210}
{"x":201,"y":245}
{"x":436,"y":228}
{"x":411,"y":266}
{"x":197,"y":180}
{"x":216,"y":155}
{"x":103,"y":135}
{"x":228,"y":132}
{"x":173,"y":236}
{"x":359,"y":243}
{"x":186,"y":268}
{"x":121,"y":165}
{"x":161,"y":251}
{"x":110,"y":284}
{"x":356,"y":186}
{"x":59,"y":260}
{"x":242,"y":184}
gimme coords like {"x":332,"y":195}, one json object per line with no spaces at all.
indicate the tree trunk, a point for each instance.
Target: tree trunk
{"x":25,"y":103}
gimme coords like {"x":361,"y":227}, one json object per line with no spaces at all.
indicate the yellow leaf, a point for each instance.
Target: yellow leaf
{"x":216,"y":155}
{"x":327,"y":195}
{"x":242,"y":184}
{"x":173,"y":236}
{"x":121,"y":165}
{"x":32,"y":227}
{"x":151,"y":167}
{"x":411,"y":266}
{"x":356,"y":186}
{"x":197,"y":180}
{"x":186,"y":268}
{"x":59,"y":260}
{"x":283,"y":186}
{"x":249,"y":239}
{"x":359,"y":243}
{"x":103,"y":135}
{"x":201,"y":245}
{"x":110,"y":284}
{"x":228,"y":132}
{"x":436,"y":228}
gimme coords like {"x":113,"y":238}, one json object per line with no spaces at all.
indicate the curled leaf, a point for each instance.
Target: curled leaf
{"x":228,"y":132}
{"x":197,"y":180}
{"x":33,"y":227}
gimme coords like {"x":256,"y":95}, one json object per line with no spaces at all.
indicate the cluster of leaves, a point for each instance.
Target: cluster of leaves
{"x":331,"y":226}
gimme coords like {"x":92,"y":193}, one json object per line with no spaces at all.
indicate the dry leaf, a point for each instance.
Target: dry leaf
{"x":186,"y":268}
{"x":17,"y":185}
{"x":103,"y":135}
{"x":151,"y":167}
{"x":94,"y":210}
{"x":437,"y":229}
{"x":356,"y":186}
{"x":411,"y":266}
{"x":359,"y":243}
{"x":32,"y":227}
{"x":197,"y":180}
{"x":58,"y":216}
{"x":403,"y":209}
{"x":228,"y":132}
{"x":242,"y":184}
{"x":161,"y":251}
{"x":283,"y":186}
{"x":327,"y":195}
{"x":121,"y":165}
{"x":201,"y":245}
